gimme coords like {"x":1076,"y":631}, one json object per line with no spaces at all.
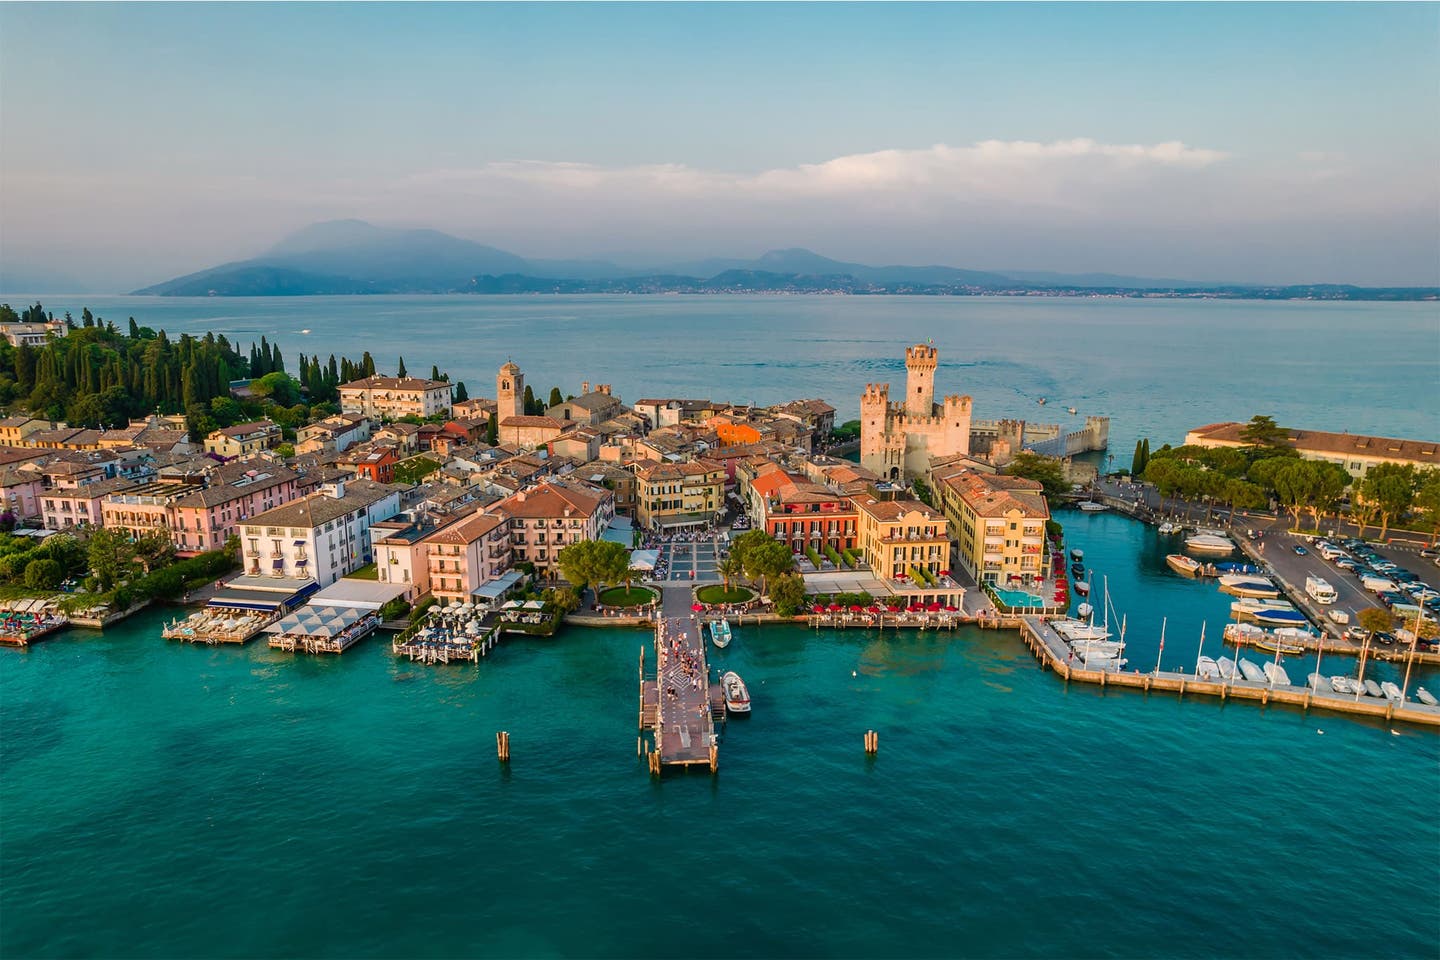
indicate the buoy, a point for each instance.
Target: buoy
{"x":854,"y":674}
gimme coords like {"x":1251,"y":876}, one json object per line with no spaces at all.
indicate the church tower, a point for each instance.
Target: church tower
{"x":920,"y":364}
{"x":509,"y":392}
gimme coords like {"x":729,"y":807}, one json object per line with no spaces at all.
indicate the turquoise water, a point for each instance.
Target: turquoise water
{"x":177,"y":801}
{"x":1158,"y":367}
{"x":1016,"y":599}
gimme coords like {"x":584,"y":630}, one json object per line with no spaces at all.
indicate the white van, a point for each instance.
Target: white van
{"x":1331,"y":552}
{"x":1338,"y":616}
{"x":1376,"y":584}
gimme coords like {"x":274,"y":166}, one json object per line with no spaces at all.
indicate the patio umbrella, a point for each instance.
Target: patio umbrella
{"x":874,"y":608}
{"x":915,"y":608}
{"x":950,"y":608}
{"x":817,"y":609}
{"x":836,"y":608}
{"x":933,"y":608}
{"x":697,"y":607}
{"x":944,"y":573}
{"x":893,"y":608}
{"x":856,"y":608}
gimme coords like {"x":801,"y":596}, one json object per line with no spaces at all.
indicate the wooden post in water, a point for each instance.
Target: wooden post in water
{"x":714,"y":757}
{"x":502,"y":746}
{"x":872,"y":742}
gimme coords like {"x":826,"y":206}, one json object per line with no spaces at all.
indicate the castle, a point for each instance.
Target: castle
{"x":897,"y":440}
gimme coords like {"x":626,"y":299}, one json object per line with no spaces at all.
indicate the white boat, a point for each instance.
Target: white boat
{"x":1392,"y":692}
{"x":1090,"y":506}
{"x":1072,"y":630}
{"x":1251,"y":672}
{"x":1097,"y":649}
{"x":1070,"y":410}
{"x":1209,"y":543}
{"x":1426,"y":697}
{"x":1241,"y":585}
{"x":1342,"y":685}
{"x":1276,"y":674}
{"x":1168,"y":528}
{"x":1084,"y":611}
{"x":1275,"y":617}
{"x":1077,"y":554}
{"x":1317,"y":681}
{"x":1082,"y":588}
{"x":737,"y":697}
{"x":720,"y":633}
{"x":1228,"y":670}
{"x":1207,"y":669}
{"x":1183,"y":565}
{"x":1373,"y":689}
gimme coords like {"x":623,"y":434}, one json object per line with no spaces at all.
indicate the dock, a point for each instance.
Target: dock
{"x":1055,"y":654}
{"x":680,"y":705}
{"x":215,"y":625}
{"x":327,"y":629}
{"x":24,"y":621}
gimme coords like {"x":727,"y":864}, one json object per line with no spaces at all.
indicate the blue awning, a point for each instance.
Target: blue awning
{"x":279,"y":564}
{"x":302,"y":561}
{"x":299,"y":543}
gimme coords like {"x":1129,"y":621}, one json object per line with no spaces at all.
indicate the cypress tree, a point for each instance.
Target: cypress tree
{"x":492,"y":429}
{"x":400,"y":369}
{"x":435,"y":371}
{"x":367,"y":365}
{"x":461,"y":394}
{"x":555,"y":398}
{"x":1137,"y":460}
{"x":530,"y":404}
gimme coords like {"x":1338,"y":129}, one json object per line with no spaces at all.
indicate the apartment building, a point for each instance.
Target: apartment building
{"x":323,"y":536}
{"x":242,"y":439}
{"x":545,"y":518}
{"x":998,"y":523}
{"x":394,"y":397}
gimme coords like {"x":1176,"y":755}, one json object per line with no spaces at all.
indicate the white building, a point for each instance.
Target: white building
{"x":323,"y":536}
{"x":395,"y":397}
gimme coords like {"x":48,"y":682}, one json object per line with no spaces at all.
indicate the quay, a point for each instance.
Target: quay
{"x":680,"y":706}
{"x":1053,"y":653}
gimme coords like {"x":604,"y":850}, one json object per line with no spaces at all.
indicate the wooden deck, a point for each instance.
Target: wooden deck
{"x":1055,"y":654}
{"x":679,"y":705}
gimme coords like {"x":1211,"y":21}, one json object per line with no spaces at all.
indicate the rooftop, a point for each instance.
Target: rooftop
{"x":1339,"y":444}
{"x":395,"y":383}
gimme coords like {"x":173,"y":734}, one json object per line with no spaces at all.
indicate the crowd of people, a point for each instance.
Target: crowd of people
{"x":672,"y":651}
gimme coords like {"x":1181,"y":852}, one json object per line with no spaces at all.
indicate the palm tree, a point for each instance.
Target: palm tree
{"x":729,"y":569}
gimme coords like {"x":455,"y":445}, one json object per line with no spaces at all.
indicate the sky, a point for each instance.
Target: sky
{"x":1220,"y":142}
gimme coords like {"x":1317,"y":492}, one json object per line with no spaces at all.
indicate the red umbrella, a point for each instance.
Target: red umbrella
{"x":893,"y":608}
{"x":933,"y":608}
{"x":856,"y":608}
{"x":915,"y":608}
{"x":952,"y":609}
{"x":835,"y":607}
{"x":817,"y":609}
{"x":697,"y":607}
{"x":944,"y":573}
{"x":874,"y":608}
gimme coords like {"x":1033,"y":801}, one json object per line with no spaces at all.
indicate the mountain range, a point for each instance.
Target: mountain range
{"x":355,"y":257}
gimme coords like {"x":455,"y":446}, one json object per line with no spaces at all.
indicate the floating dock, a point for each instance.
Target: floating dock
{"x":1053,"y":652}
{"x":680,"y":706}
{"x":315,"y":629}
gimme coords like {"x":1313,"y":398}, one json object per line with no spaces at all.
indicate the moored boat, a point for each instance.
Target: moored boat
{"x":1276,"y":675}
{"x":1084,"y":611}
{"x":1082,"y":588}
{"x":1391,"y":691}
{"x":1228,"y":670}
{"x":720,"y":633}
{"x":1207,"y":669}
{"x":1241,"y":585}
{"x":1167,"y":528}
{"x":737,"y":697}
{"x":1426,"y":697}
{"x":1077,"y":555}
{"x":1072,"y":630}
{"x":1090,"y":506}
{"x":1280,"y":618}
{"x":1251,"y":672}
{"x":1209,"y":543}
{"x":1344,"y":685}
{"x":1317,"y":681}
{"x":1183,"y":565}
{"x":1373,"y":689}
{"x":1272,"y":644}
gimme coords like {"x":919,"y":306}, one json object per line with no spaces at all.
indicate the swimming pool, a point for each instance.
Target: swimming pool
{"x":1018,"y":598}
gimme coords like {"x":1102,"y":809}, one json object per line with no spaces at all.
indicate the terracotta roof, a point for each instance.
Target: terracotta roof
{"x":550,"y":500}
{"x":699,"y":467}
{"x":468,"y":530}
{"x":890,"y":511}
{"x":531,"y":422}
{"x":320,"y":508}
{"x":394,"y":383}
{"x":1336,"y":444}
{"x":245,"y":429}
{"x":994,"y":495}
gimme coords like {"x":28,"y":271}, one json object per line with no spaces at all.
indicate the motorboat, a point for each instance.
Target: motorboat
{"x":1426,"y":697}
{"x":1183,"y":565}
{"x":1392,"y":692}
{"x":1230,"y":566}
{"x":1084,"y":611}
{"x":1209,"y":543}
{"x":1097,"y":648}
{"x":1373,"y":689}
{"x":1082,"y":588}
{"x":1317,"y":681}
{"x":1070,"y":410}
{"x":1073,"y":630}
{"x":1276,"y":675}
{"x":1090,"y":506}
{"x":1275,"y":617}
{"x":1207,"y":669}
{"x":1077,"y":555}
{"x":737,"y":697}
{"x":1345,"y":685}
{"x":1252,"y":672}
{"x":1167,"y":528}
{"x":1240,"y":585}
{"x":1273,"y":644}
{"x":720,"y":634}
{"x":1228,"y":670}
{"x":1077,"y":570}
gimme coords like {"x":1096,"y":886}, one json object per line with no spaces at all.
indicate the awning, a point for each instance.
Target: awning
{"x":684,"y":520}
{"x":233,"y":597}
{"x":644,"y":559}
{"x":318,"y":621}
{"x":299,"y":543}
{"x":497,"y":588}
{"x":280,"y":564}
{"x":361,"y":594}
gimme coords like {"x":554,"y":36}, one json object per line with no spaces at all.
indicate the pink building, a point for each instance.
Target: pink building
{"x":202,"y":520}
{"x":79,"y":505}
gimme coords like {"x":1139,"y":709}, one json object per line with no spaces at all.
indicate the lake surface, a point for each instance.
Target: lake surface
{"x":168,"y":800}
{"x":1157,"y":367}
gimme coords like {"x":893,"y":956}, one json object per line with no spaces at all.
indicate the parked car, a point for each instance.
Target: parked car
{"x":1357,"y":634}
{"x":1430,"y":553}
{"x":1300,"y":550}
{"x":1385,"y":638}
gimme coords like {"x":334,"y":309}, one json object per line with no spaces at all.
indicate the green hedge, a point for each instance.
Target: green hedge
{"x":814,"y":557}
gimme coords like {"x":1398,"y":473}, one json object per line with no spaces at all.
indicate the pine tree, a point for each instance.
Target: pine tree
{"x":400,"y":370}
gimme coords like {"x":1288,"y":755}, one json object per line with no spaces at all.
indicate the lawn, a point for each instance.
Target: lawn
{"x":415,"y":469}
{"x":716,"y":593}
{"x":367,"y":572}
{"x":634,"y":597}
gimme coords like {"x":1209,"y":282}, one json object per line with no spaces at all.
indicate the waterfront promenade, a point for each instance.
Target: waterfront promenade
{"x":680,"y":703}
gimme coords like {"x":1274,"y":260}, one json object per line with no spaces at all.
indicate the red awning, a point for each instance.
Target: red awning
{"x":933,"y":608}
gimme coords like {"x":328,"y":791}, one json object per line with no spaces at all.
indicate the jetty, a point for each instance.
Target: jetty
{"x":680,"y":705}
{"x":215,"y":625}
{"x":1055,"y":654}
{"x":322,"y":629}
{"x":27,"y":620}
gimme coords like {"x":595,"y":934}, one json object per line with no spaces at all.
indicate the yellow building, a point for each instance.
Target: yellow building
{"x":672,"y":496}
{"x":242,"y":439}
{"x":1356,"y":452}
{"x":896,"y":536}
{"x":999,"y":524}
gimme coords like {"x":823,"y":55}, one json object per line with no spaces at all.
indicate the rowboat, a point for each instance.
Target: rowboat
{"x":1207,"y":669}
{"x":1425,"y":697}
{"x":1251,"y":672}
{"x":1276,"y":675}
{"x":737,"y":697}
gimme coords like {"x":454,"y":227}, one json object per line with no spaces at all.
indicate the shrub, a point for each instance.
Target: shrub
{"x":395,"y":609}
{"x":814,"y":557}
{"x":43,"y":574}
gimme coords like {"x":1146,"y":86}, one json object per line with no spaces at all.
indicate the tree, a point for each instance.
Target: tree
{"x":562,"y":600}
{"x":1263,"y":431}
{"x":1295,"y":483}
{"x":1427,"y":500}
{"x":1391,"y":486}
{"x":281,"y":388}
{"x":285,"y":450}
{"x":788,"y":593}
{"x":154,"y":550}
{"x":1376,"y":620}
{"x":556,"y":398}
{"x":1331,"y":479}
{"x":530,"y":406}
{"x":729,"y":569}
{"x":400,"y":369}
{"x":461,"y":394}
{"x":43,"y":574}
{"x":111,"y":556}
{"x":593,"y":563}
{"x":1049,"y":471}
{"x":768,"y":560}
{"x":1137,"y":462}
{"x":492,"y":430}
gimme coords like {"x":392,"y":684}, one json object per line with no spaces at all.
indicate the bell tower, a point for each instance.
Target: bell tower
{"x":509,"y":392}
{"x":920,"y":364}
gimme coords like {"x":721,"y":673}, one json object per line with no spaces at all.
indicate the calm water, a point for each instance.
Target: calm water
{"x":162,"y":800}
{"x":1158,"y":367}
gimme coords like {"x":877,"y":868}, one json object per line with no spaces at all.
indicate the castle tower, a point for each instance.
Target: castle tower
{"x":509,"y":392}
{"x":957,"y":426}
{"x":920,"y":364}
{"x":874,"y":413}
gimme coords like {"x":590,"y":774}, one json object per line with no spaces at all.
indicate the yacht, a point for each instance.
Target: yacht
{"x":1251,"y":672}
{"x":1183,"y":565}
{"x":1097,"y":649}
{"x":1241,"y":585}
{"x":737,"y":698}
{"x":1275,"y":617}
{"x":1082,"y":588}
{"x":1276,"y":675}
{"x":1209,"y":543}
{"x":1070,"y":410}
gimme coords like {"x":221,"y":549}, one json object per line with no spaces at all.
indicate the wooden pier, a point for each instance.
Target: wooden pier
{"x":24,"y":621}
{"x":1053,"y":653}
{"x":680,"y":705}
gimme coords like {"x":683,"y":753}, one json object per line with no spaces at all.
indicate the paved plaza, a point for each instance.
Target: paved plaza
{"x":690,"y":562}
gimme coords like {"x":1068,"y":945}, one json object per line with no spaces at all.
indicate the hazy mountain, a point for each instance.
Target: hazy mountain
{"x":1047,"y":278}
